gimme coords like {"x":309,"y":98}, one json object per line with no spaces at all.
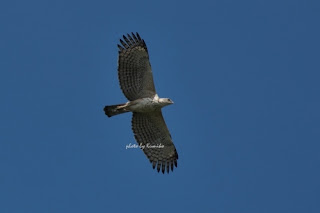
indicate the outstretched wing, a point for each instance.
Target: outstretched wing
{"x":134,"y":69}
{"x":150,"y":130}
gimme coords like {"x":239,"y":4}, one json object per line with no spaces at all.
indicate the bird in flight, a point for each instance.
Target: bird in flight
{"x":148,"y":125}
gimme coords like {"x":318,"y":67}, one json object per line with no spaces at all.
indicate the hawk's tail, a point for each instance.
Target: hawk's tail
{"x":115,"y":110}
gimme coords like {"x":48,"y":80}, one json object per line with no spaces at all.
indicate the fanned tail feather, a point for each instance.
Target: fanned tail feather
{"x":115,"y":110}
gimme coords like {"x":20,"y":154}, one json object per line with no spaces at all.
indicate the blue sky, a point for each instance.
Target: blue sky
{"x":244,"y":76}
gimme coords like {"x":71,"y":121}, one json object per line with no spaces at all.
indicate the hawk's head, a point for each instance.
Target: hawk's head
{"x":165,"y":101}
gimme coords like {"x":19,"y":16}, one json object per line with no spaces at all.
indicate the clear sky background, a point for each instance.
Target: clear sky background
{"x":244,"y":76}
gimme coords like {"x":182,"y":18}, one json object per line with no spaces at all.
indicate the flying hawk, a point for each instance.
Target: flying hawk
{"x":148,"y":125}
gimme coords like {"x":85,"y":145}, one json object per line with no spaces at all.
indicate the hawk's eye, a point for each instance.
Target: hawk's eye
{"x":169,"y":99}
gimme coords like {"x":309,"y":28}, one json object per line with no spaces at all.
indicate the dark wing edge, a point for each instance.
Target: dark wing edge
{"x":131,"y":42}
{"x":151,"y":128}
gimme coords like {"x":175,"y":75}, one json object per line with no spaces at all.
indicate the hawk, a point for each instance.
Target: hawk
{"x":148,"y":125}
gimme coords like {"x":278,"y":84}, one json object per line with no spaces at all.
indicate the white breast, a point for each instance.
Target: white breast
{"x":143,"y":105}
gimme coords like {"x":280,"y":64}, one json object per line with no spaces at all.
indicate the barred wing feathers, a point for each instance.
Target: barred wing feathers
{"x":134,"y":69}
{"x":150,"y":128}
